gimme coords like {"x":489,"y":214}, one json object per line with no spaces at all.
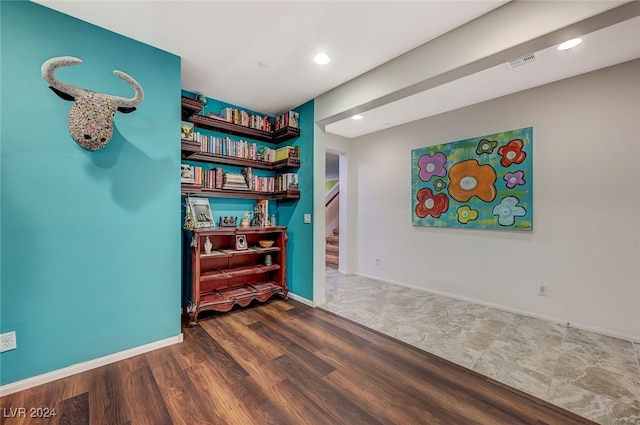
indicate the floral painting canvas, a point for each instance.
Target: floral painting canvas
{"x":484,"y":182}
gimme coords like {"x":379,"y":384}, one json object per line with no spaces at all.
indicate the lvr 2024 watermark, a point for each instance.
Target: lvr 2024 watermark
{"x":28,"y":412}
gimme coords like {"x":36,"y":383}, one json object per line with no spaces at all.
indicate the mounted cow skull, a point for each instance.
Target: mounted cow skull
{"x":91,"y":116}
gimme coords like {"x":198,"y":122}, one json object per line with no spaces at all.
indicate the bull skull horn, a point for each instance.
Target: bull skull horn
{"x":49,"y":67}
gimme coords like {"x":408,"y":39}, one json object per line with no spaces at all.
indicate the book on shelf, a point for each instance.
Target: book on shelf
{"x":207,"y":179}
{"x":261,"y":212}
{"x":287,"y":152}
{"x":186,"y":173}
{"x":218,"y":178}
{"x":287,"y":181}
{"x":288,"y":119}
{"x":247,"y":172}
{"x":217,"y":116}
{"x":186,"y":130}
{"x":246,"y":119}
{"x":243,"y":149}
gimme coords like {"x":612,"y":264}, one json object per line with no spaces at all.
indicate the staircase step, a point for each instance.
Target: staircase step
{"x":332,"y":249}
{"x":331,"y":260}
{"x":333,"y":240}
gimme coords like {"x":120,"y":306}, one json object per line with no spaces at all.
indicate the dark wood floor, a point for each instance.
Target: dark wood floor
{"x":282,"y":363}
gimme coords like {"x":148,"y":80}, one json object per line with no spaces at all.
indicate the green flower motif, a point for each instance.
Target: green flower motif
{"x":486,"y":146}
{"x":439,"y":185}
{"x":466,"y":214}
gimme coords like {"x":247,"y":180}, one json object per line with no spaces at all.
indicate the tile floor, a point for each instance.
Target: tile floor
{"x":595,"y":376}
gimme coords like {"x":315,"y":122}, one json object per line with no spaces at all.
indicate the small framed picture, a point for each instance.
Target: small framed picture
{"x":186,"y":130}
{"x":186,"y":173}
{"x":201,"y":212}
{"x":241,"y":242}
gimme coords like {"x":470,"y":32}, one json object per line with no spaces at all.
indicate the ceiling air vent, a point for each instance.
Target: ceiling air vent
{"x":522,"y":60}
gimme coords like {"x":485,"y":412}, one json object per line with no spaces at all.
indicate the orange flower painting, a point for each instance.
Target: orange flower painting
{"x":468,"y":178}
{"x":483,"y":182}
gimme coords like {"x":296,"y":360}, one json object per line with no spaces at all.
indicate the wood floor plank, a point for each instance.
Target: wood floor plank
{"x":248,"y":351}
{"x":74,"y":410}
{"x":258,"y":402}
{"x":106,"y":396}
{"x":302,"y":407}
{"x":184,"y":406}
{"x":319,"y":366}
{"x":148,"y":406}
{"x":295,"y":329}
{"x":330,"y":399}
{"x":212,"y":350}
{"x":226,"y":406}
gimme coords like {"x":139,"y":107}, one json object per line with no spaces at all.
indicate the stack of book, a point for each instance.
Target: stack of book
{"x":235,"y":181}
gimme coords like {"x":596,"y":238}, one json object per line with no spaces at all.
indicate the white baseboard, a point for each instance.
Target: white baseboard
{"x":581,"y":326}
{"x":34,"y":381}
{"x":302,"y":300}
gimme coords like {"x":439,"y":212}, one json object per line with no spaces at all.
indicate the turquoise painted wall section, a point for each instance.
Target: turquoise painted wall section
{"x":291,"y":214}
{"x":288,"y":213}
{"x":90,"y":241}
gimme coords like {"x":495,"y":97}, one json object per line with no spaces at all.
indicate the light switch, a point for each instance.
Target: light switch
{"x":307,"y":218}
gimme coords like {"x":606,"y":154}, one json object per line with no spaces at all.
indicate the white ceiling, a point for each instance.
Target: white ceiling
{"x":221,"y":44}
{"x":609,"y":46}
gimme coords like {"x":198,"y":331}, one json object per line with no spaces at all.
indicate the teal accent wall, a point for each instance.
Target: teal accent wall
{"x":288,"y":213}
{"x":90,"y":241}
{"x":291,"y":214}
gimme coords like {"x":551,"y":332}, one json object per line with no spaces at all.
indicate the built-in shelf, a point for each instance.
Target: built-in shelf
{"x":196,"y":190}
{"x":191,"y":151}
{"x":189,"y":106}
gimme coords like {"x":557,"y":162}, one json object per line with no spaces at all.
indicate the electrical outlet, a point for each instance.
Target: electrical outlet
{"x":377,"y":261}
{"x":8,"y":342}
{"x":542,"y":290}
{"x":307,"y":218}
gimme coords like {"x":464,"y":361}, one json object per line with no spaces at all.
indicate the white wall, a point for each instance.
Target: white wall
{"x":585,"y":242}
{"x":332,"y":217}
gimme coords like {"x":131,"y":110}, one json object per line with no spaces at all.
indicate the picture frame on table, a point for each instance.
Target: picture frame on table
{"x":241,"y":242}
{"x":200,"y":210}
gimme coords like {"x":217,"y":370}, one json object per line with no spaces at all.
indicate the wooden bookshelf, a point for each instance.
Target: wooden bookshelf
{"x":191,"y":104}
{"x":214,"y":124}
{"x":191,"y":151}
{"x":196,"y":190}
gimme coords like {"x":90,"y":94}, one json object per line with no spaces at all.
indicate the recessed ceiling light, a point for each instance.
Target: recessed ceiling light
{"x":357,"y":117}
{"x":321,"y":58}
{"x":570,"y":44}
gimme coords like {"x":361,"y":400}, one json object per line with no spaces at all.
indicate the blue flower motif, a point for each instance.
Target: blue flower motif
{"x":507,"y":211}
